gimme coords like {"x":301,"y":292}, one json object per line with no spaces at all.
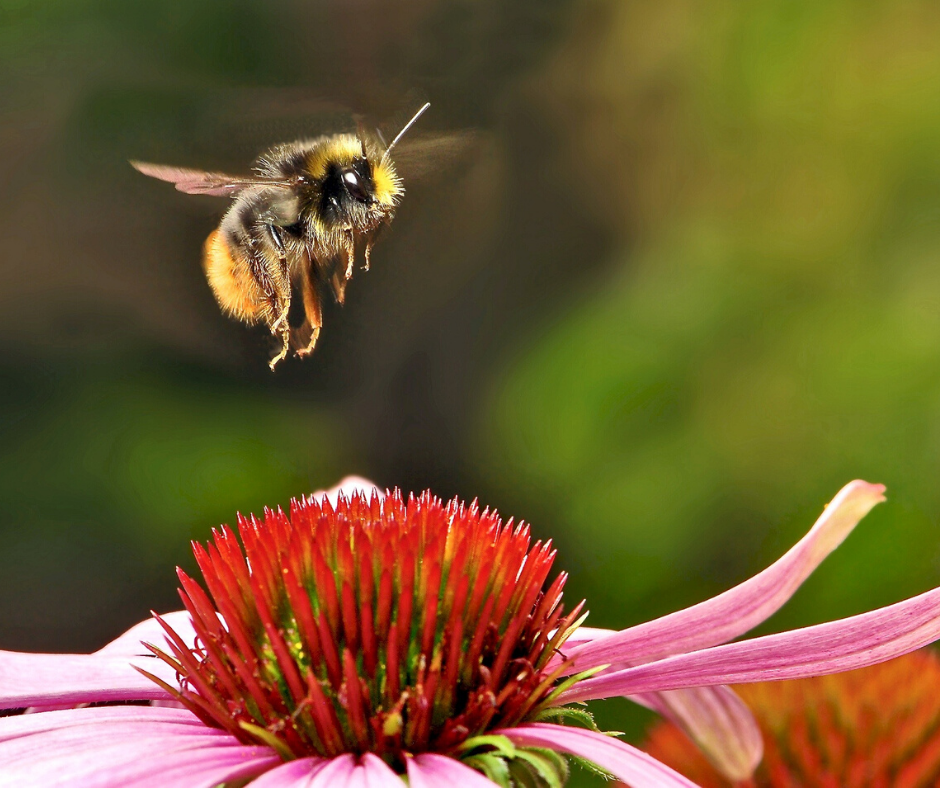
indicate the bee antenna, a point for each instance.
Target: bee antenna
{"x":401,"y":133}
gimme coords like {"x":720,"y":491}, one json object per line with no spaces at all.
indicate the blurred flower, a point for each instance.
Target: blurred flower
{"x":364,"y":638}
{"x":870,"y":728}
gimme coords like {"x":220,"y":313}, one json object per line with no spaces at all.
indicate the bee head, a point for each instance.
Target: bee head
{"x":359,"y":189}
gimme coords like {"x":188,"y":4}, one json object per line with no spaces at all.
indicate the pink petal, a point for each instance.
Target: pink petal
{"x":718,"y":722}
{"x":813,"y":651}
{"x":373,"y":772}
{"x":123,"y":753}
{"x":633,"y":766}
{"x":200,"y":771}
{"x":67,"y":679}
{"x":293,"y":774}
{"x":28,"y":724}
{"x":587,"y":635}
{"x":130,"y":643}
{"x":743,"y":607}
{"x":335,"y":774}
{"x":439,"y":771}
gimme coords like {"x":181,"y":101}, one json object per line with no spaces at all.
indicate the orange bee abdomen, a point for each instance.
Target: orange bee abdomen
{"x":231,"y":279}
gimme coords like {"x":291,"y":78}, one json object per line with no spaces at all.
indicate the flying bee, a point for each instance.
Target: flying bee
{"x":295,"y":222}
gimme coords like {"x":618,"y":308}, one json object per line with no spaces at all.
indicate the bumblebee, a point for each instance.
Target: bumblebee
{"x":295,"y":222}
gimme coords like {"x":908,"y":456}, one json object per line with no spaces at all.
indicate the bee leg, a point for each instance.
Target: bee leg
{"x":312,"y":309}
{"x":350,"y":254}
{"x":285,"y":337}
{"x":338,"y":283}
{"x":281,"y":323}
{"x":370,"y":243}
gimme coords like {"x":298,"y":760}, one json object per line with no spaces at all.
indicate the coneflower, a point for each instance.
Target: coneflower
{"x":364,"y":639}
{"x":877,"y":727}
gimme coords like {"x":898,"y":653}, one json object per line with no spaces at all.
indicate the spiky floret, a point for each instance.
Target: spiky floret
{"x":877,"y":727}
{"x":378,"y":625}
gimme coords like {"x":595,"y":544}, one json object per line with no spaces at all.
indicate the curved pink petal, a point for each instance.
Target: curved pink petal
{"x":832,"y":647}
{"x":717,"y":721}
{"x":68,"y":679}
{"x":124,"y":753}
{"x":439,"y":771}
{"x":149,"y":631}
{"x":626,"y":763}
{"x":293,"y":774}
{"x":743,"y":607}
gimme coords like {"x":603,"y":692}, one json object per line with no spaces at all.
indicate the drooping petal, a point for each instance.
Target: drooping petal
{"x":719,"y":723}
{"x":743,"y":607}
{"x":715,"y":718}
{"x":293,"y":774}
{"x":121,"y":753}
{"x":439,"y":771}
{"x":57,"y":679}
{"x":849,"y":643}
{"x":149,"y":631}
{"x":626,"y":763}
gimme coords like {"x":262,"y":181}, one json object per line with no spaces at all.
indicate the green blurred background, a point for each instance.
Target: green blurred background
{"x":683,"y":285}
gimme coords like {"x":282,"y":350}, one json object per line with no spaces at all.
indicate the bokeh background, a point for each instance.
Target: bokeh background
{"x":682,"y":285}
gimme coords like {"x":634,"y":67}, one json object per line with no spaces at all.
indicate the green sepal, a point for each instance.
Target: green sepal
{"x":501,"y":744}
{"x":561,"y":713}
{"x":522,"y":776}
{"x":492,"y":766}
{"x":570,"y":682}
{"x":590,"y":767}
{"x":548,"y":767}
{"x":268,"y":738}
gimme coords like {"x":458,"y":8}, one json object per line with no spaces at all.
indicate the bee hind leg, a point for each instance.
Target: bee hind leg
{"x":313,"y":311}
{"x":280,"y":324}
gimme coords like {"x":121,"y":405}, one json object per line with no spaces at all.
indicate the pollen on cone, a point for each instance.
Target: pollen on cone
{"x":878,"y":727}
{"x":379,"y":625}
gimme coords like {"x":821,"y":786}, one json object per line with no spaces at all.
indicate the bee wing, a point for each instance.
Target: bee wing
{"x":217,"y":184}
{"x":425,"y":155}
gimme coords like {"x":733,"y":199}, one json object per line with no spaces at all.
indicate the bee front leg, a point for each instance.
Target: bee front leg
{"x":370,"y":242}
{"x":350,"y":254}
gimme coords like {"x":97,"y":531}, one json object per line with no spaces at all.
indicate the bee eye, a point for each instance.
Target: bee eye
{"x":354,"y":186}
